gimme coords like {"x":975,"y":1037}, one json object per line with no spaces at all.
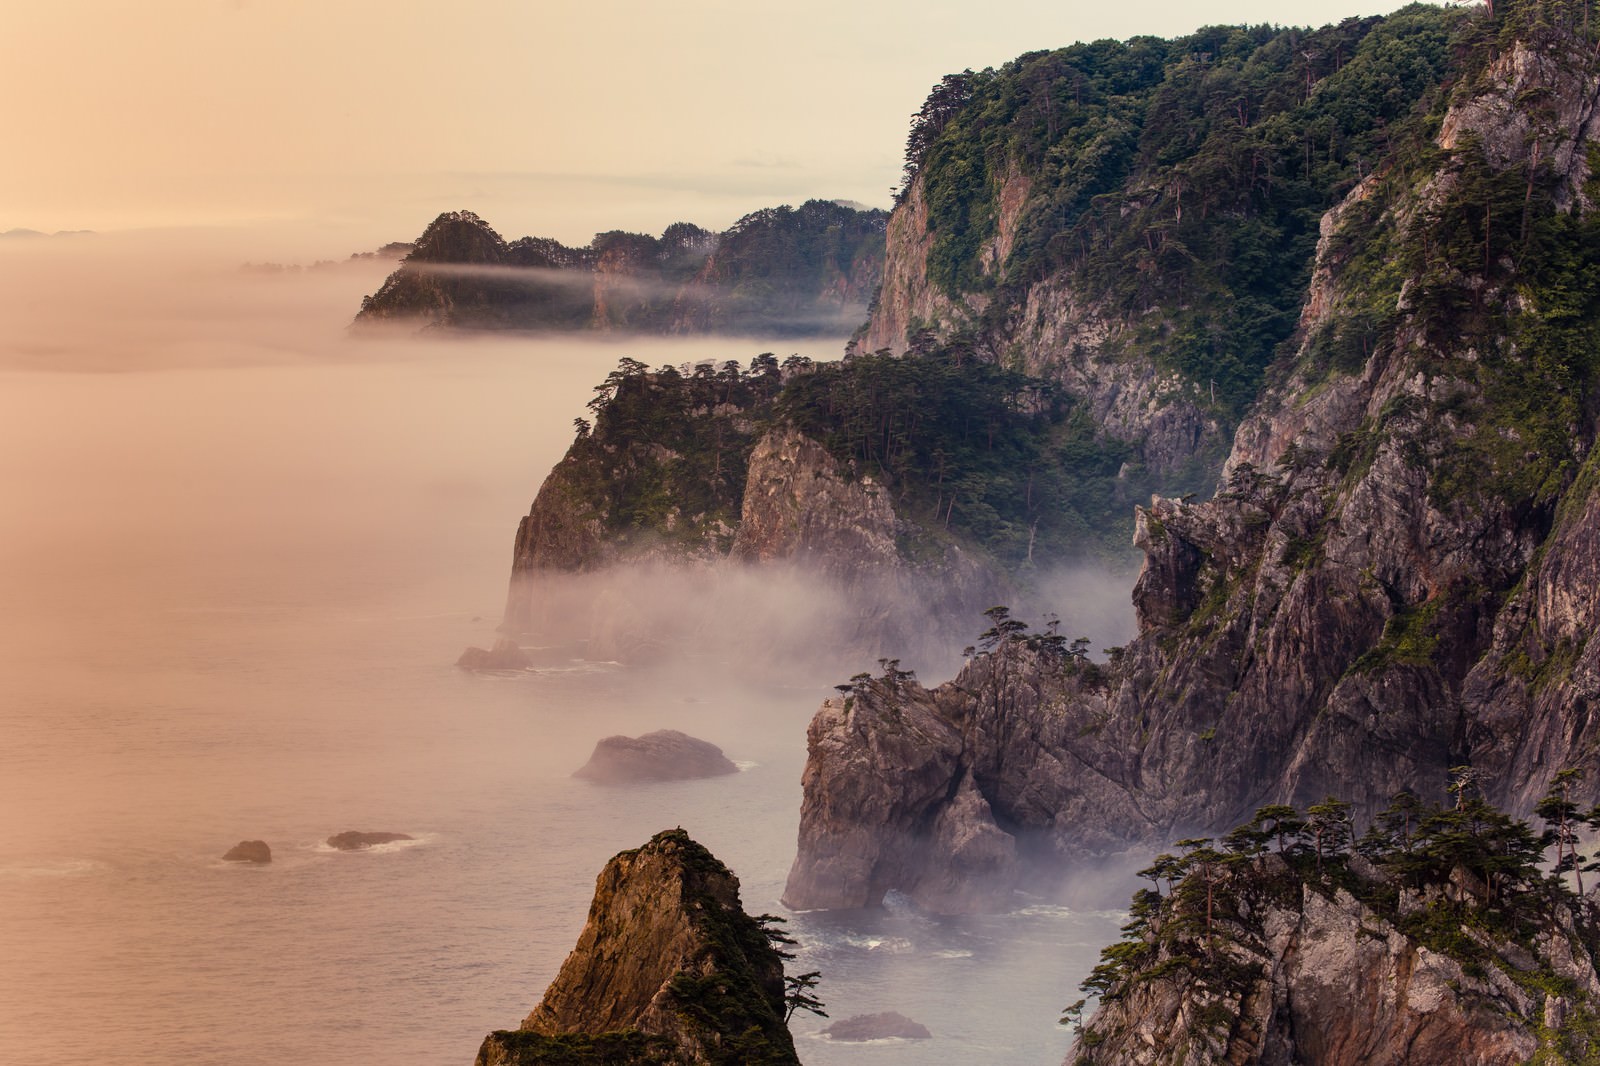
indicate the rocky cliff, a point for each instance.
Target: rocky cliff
{"x":1136,"y":221}
{"x":1447,"y":945}
{"x":1392,"y":579}
{"x":703,"y":472}
{"x":779,"y":272}
{"x":668,"y":969}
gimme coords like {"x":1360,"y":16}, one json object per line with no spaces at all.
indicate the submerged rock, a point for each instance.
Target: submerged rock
{"x":255,"y":851}
{"x":506,"y":654}
{"x":889,"y":1025}
{"x":668,"y":969}
{"x":665,"y":755}
{"x":352,"y":840}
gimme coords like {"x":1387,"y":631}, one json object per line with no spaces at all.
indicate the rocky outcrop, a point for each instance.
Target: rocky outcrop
{"x":798,"y":508}
{"x":664,"y":755}
{"x":355,"y":840}
{"x":668,"y":969}
{"x":506,"y":654}
{"x":702,"y":490}
{"x":255,"y":851}
{"x":783,"y":271}
{"x":1054,"y":330}
{"x":906,"y":301}
{"x":1348,"y":971}
{"x":889,"y":1025}
{"x":1391,"y":580}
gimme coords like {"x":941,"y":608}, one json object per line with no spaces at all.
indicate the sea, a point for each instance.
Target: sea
{"x":240,"y":551}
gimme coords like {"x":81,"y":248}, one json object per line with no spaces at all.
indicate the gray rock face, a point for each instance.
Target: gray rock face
{"x":354,"y":840}
{"x":1395,"y":577}
{"x":665,"y":755}
{"x":668,"y":969}
{"x":1057,"y":333}
{"x":255,"y":851}
{"x":1324,"y":980}
{"x":888,"y":1025}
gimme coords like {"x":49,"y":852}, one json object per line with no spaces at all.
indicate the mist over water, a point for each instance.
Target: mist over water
{"x":239,"y":552}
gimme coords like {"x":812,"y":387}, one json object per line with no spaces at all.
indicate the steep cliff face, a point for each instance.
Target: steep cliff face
{"x":782,"y":271}
{"x":1136,"y":221}
{"x":778,"y":501}
{"x":1380,"y":589}
{"x":668,"y":969}
{"x":1348,"y":970}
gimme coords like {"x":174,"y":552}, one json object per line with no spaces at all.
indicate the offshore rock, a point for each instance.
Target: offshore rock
{"x":668,"y":969}
{"x":665,"y":755}
{"x":255,"y":851}
{"x":889,"y":1025}
{"x":355,"y":840}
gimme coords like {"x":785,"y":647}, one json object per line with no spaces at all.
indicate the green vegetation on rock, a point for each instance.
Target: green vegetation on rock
{"x":1180,"y":183}
{"x":1002,"y":462}
{"x":1465,"y":881}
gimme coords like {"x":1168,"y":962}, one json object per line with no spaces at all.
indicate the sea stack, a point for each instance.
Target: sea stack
{"x":668,"y":969}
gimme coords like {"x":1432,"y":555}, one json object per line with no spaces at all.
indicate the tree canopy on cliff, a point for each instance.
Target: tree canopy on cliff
{"x":1184,"y":176}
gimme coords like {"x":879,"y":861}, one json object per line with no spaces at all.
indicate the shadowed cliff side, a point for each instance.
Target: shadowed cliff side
{"x":781,"y":272}
{"x":668,"y":970}
{"x":1394,"y":577}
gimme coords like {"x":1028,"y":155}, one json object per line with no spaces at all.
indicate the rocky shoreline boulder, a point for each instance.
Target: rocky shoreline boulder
{"x":255,"y":851}
{"x":664,"y":755}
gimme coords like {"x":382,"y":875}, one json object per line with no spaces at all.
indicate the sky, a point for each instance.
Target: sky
{"x":354,"y":122}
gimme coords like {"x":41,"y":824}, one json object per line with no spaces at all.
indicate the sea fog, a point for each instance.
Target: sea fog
{"x":239,"y":554}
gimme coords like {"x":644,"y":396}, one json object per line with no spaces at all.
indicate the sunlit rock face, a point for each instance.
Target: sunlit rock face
{"x":1394,"y":577}
{"x":668,"y":969}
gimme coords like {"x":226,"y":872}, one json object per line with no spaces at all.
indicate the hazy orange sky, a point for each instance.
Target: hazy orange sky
{"x":364,"y":119}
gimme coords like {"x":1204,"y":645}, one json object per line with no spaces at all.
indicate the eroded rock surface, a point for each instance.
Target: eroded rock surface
{"x":1302,"y":971}
{"x":1394,"y":577}
{"x":668,"y":969}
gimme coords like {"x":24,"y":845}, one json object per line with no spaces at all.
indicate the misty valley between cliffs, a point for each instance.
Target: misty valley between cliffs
{"x":1194,"y":554}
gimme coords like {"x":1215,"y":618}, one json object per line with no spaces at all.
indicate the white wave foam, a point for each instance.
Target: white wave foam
{"x":888,"y":945}
{"x":26,"y":869}
{"x":417,"y":840}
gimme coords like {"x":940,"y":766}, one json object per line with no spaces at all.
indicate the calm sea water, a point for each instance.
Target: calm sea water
{"x":237,"y":560}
